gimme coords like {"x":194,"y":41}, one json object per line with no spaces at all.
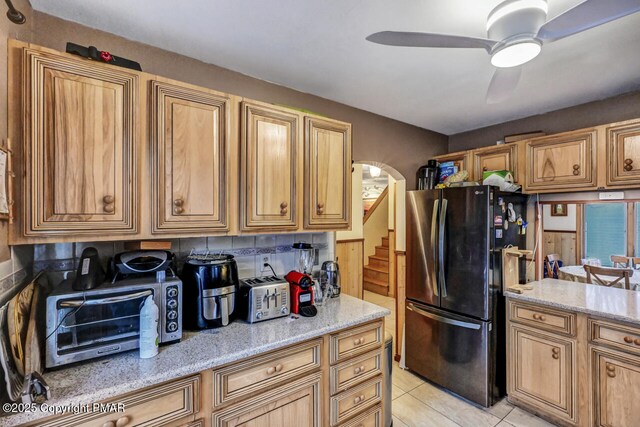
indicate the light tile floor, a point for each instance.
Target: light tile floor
{"x":416,"y":402}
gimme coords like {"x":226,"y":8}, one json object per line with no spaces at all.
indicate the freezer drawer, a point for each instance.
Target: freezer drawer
{"x":450,"y":350}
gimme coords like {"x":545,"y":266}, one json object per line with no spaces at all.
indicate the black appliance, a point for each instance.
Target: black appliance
{"x":90,"y":273}
{"x":455,"y":314}
{"x":427,"y":176}
{"x":210,"y":286}
{"x":140,"y":263}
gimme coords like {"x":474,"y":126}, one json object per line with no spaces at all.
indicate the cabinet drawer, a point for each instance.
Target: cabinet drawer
{"x":355,"y":341}
{"x":354,"y":371}
{"x":354,"y":401}
{"x":260,"y":373}
{"x":164,"y":405}
{"x":622,"y":337}
{"x":371,"y":418}
{"x":543,"y":318}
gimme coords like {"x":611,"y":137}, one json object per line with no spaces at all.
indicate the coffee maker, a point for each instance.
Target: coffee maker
{"x":301,"y":290}
{"x":330,"y":278}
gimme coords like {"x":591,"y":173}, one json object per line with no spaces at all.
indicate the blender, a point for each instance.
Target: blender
{"x":300,"y":282}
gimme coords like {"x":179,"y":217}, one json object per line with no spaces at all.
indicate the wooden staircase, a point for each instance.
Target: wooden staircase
{"x":376,"y":272}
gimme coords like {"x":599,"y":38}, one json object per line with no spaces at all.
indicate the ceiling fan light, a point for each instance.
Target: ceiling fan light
{"x":510,"y":6}
{"x":515,"y":54}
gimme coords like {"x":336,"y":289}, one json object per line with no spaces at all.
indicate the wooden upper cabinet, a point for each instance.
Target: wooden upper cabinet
{"x":327,"y":171}
{"x":461,"y":159}
{"x":189,"y":138}
{"x":623,"y":154}
{"x":541,"y":371}
{"x":565,"y":161}
{"x":616,"y":389}
{"x":269,"y":165}
{"x":498,"y":157}
{"x":81,"y":130}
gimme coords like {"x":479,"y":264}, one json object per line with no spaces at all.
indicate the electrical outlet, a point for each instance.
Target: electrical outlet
{"x":264,"y":259}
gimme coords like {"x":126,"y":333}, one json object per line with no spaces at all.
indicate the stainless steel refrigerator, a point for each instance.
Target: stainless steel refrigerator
{"x":454,"y":312}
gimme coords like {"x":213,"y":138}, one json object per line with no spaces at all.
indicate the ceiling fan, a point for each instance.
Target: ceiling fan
{"x":516,"y":32}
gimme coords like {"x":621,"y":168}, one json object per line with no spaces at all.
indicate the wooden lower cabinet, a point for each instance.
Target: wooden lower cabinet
{"x":588,"y":376}
{"x":616,"y":388}
{"x":542,"y":371}
{"x":294,"y":404}
{"x":350,"y":256}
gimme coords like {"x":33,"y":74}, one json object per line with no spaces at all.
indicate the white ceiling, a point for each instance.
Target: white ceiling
{"x":319,"y":47}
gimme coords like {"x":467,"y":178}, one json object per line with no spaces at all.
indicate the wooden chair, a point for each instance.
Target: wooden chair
{"x":594,"y":273}
{"x":551,"y":264}
{"x":620,"y":261}
{"x":635,"y":263}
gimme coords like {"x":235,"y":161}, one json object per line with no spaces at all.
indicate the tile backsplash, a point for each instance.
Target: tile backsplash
{"x":251,"y":252}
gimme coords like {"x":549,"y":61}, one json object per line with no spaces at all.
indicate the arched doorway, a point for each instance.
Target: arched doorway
{"x":371,"y":255}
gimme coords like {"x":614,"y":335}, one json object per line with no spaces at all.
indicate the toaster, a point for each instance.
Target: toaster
{"x":263,"y":298}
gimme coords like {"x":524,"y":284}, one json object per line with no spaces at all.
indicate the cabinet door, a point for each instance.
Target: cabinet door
{"x":563,"y":161}
{"x":616,"y":389}
{"x":269,"y":166}
{"x":189,"y":146}
{"x":81,"y":132}
{"x":294,"y":405}
{"x":542,"y":371}
{"x":623,"y":154}
{"x":461,"y":159}
{"x":327,"y":164}
{"x":500,"y":157}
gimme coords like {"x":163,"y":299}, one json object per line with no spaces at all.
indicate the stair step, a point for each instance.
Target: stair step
{"x":376,"y":286}
{"x":385,"y":242}
{"x":382,"y":251}
{"x":376,"y":274}
{"x":379,"y":262}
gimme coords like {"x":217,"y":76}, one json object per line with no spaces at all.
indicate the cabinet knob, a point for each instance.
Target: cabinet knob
{"x":283,"y":211}
{"x":611,"y":370}
{"x":108,"y":199}
{"x":358,"y":341}
{"x":576,"y":169}
{"x":555,"y":352}
{"x":356,"y":400}
{"x":123,"y":421}
{"x":109,"y":424}
{"x":628,"y":339}
{"x":178,"y":210}
{"x":610,"y":367}
{"x":271,"y":370}
{"x":283,"y":205}
{"x":278,"y":367}
{"x":628,"y":161}
{"x":628,"y":168}
{"x":356,"y":371}
{"x":636,"y":341}
{"x":555,"y":356}
{"x":108,"y":208}
{"x":178,"y":202}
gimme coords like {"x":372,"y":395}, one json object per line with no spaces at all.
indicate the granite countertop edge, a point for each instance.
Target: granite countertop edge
{"x":191,"y":367}
{"x":577,"y":301}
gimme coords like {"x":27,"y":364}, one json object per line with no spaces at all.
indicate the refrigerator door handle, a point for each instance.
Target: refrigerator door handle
{"x":442,"y":219}
{"x":467,"y":325}
{"x":434,"y":231}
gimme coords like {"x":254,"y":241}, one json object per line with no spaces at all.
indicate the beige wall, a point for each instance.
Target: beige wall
{"x":376,"y":227}
{"x":618,"y":108}
{"x":357,"y":210}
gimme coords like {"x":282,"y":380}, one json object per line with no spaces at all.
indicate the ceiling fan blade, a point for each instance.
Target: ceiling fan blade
{"x":503,"y":83}
{"x":585,"y":15}
{"x":403,"y":38}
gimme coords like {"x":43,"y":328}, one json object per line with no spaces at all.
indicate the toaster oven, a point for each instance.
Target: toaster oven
{"x":105,"y":320}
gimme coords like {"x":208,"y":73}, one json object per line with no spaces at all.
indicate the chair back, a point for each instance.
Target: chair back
{"x":594,"y":276}
{"x":620,"y":261}
{"x":551,"y":265}
{"x":635,"y":263}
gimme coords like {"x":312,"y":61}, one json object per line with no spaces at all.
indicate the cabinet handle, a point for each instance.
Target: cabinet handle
{"x":576,"y":169}
{"x":627,"y":168}
{"x":539,"y":317}
{"x":611,"y":370}
{"x":178,"y":202}
{"x":628,"y":164}
{"x":271,"y":370}
{"x":109,"y":424}
{"x":108,"y":208}
{"x":178,"y":210}
{"x":359,"y":370}
{"x":356,"y":400}
{"x":123,"y":421}
{"x":283,"y":211}
{"x":108,"y":199}
{"x":278,"y":367}
{"x":358,"y":341}
{"x":283,"y":205}
{"x":628,"y":339}
{"x":320,"y":208}
{"x":636,"y":341}
{"x":555,"y":352}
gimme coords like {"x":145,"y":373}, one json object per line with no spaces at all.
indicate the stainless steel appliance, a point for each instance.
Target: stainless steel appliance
{"x":330,"y":278}
{"x":263,"y":298}
{"x":210,"y":287}
{"x":454,"y":308}
{"x":427,"y":175}
{"x":87,"y":324}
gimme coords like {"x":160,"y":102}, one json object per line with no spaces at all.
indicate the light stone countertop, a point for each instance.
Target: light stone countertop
{"x":94,"y":381}
{"x":611,"y":303}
